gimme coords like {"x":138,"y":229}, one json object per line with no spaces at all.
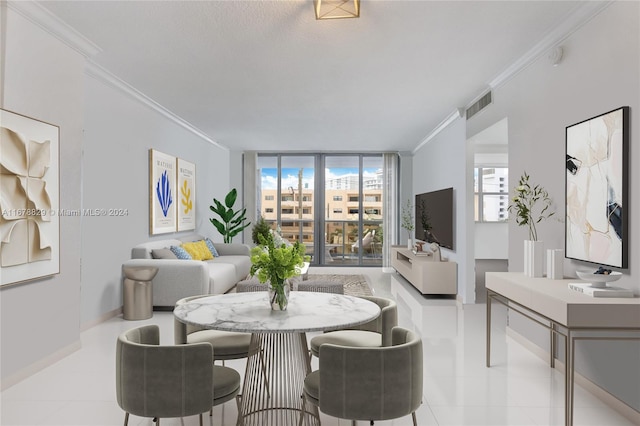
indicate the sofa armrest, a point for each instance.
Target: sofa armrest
{"x":175,"y":279}
{"x":232,"y":249}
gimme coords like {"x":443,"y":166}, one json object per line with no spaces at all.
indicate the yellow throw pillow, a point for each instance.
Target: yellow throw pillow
{"x":198,"y":250}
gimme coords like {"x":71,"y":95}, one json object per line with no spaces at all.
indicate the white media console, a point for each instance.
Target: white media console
{"x":425,"y":274}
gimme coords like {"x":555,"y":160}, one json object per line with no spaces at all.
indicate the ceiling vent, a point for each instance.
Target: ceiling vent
{"x":479,"y":105}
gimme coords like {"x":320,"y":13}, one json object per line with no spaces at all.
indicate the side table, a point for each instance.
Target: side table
{"x":138,"y":292}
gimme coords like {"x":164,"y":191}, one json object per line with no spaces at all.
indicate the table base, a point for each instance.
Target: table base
{"x":557,"y":329}
{"x":276,"y":368}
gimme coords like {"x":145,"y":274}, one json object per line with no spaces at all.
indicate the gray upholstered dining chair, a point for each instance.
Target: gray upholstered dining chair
{"x":226,"y":344}
{"x":374,"y":333}
{"x":368,"y":383}
{"x":169,"y":381}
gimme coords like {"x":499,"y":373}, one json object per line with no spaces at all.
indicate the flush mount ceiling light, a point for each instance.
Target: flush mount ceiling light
{"x":337,"y":9}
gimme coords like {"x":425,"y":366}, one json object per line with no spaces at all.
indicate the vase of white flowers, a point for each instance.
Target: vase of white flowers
{"x":531,"y":204}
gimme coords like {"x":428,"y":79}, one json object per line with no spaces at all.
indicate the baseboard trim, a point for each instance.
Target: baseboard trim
{"x":39,"y":365}
{"x":102,"y":318}
{"x":614,"y":403}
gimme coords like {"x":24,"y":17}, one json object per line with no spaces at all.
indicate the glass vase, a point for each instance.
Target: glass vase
{"x":279,"y":296}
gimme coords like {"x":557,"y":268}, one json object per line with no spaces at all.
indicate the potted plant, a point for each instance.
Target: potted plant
{"x":532,"y":205}
{"x":261,"y":227}
{"x":232,"y":222}
{"x":407,"y":222}
{"x":275,"y":264}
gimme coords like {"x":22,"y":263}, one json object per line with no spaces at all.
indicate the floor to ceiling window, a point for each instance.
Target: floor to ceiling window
{"x":330,"y":203}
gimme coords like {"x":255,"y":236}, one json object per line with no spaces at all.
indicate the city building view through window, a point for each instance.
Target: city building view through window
{"x":330,"y":203}
{"x":491,"y":194}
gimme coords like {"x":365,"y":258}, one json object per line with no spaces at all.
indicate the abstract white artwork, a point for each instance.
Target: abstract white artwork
{"x":29,"y":198}
{"x":596,"y":189}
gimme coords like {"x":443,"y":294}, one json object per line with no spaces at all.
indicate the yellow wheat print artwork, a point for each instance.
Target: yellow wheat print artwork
{"x":186,"y":197}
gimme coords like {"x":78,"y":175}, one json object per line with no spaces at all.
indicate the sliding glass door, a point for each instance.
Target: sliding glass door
{"x":353,"y":213}
{"x":330,"y":203}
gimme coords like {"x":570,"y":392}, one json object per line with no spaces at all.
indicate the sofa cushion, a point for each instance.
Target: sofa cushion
{"x":143,"y":251}
{"x":222,"y":277}
{"x":180,"y":253}
{"x":198,"y":250}
{"x":241,"y":264}
{"x":212,"y":248}
{"x":163,"y":253}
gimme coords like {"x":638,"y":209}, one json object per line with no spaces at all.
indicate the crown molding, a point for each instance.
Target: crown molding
{"x":456,"y":114}
{"x":583,"y":14}
{"x":43,"y":18}
{"x":97,"y":72}
{"x":580,"y":16}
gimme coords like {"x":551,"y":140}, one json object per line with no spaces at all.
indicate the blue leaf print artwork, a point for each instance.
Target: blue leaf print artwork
{"x":163,"y":190}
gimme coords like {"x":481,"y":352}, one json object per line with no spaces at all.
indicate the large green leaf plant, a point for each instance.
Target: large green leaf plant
{"x":231,"y":222}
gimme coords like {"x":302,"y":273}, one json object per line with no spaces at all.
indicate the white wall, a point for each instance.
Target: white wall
{"x":442,"y":163}
{"x":40,"y":318}
{"x":119,"y":131}
{"x":599,"y":72}
{"x":105,"y":136}
{"x":491,"y":240}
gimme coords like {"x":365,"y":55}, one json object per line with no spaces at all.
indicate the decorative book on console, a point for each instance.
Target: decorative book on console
{"x":608,"y":291}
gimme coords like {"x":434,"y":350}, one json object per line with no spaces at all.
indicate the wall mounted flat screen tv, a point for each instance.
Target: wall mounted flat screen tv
{"x":434,"y":217}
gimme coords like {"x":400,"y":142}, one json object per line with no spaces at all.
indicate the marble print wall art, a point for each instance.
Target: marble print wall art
{"x":29,"y":198}
{"x":596,"y":189}
{"x":187,"y":195}
{"x":162,"y":192}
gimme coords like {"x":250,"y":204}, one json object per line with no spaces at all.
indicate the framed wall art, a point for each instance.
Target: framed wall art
{"x":597,"y":175}
{"x":29,"y":198}
{"x":187,"y":190}
{"x":162,"y":193}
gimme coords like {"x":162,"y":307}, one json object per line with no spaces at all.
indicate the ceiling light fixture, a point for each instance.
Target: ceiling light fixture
{"x":336,"y":9}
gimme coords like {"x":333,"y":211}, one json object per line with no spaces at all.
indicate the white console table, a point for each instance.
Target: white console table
{"x":425,"y":274}
{"x":563,"y":312}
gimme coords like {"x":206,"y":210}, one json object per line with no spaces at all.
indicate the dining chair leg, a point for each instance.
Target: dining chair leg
{"x":240,"y":419}
{"x":126,"y":419}
{"x":353,"y":423}
{"x":201,"y":424}
{"x":415,"y":421}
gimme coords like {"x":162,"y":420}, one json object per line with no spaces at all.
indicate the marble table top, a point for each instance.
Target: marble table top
{"x":251,"y":312}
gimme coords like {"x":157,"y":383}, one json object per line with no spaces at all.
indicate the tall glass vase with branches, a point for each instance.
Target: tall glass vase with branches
{"x":531,"y":204}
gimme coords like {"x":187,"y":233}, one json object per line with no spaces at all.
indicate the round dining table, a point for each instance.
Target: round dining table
{"x":279,"y":358}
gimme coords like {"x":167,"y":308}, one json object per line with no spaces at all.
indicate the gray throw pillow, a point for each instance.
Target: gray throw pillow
{"x":164,"y":253}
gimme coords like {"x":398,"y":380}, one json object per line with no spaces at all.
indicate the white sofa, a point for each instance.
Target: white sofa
{"x":181,"y":278}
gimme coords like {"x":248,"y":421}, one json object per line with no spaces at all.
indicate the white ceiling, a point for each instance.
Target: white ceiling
{"x":265,"y":75}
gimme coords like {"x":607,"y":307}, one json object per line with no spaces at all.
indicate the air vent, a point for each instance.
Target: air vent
{"x":479,"y":105}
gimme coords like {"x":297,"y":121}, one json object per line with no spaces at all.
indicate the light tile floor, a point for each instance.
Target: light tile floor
{"x":520,"y":389}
